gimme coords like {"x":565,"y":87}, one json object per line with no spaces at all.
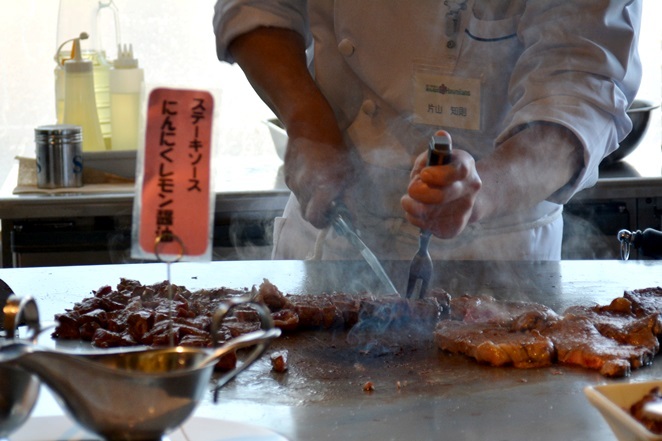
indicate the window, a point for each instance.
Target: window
{"x":174,"y":43}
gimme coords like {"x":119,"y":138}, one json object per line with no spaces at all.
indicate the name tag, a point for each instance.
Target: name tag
{"x":447,"y":101}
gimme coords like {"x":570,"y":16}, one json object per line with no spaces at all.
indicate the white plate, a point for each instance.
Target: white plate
{"x":612,"y":400}
{"x":278,"y":135}
{"x":61,"y":428}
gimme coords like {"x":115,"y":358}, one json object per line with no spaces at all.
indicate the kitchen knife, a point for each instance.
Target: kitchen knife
{"x":343,"y":226}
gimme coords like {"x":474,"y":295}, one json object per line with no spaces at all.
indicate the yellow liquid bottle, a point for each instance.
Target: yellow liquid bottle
{"x":101,"y":75}
{"x":126,"y":86}
{"x":79,"y":100}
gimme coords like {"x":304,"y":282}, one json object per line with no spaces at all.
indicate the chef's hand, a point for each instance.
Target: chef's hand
{"x":318,"y":169}
{"x":441,"y":198}
{"x":318,"y":164}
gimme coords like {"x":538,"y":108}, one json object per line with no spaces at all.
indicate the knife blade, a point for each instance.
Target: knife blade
{"x":343,"y":226}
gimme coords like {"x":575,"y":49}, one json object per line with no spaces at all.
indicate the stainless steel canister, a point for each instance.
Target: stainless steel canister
{"x":59,"y":156}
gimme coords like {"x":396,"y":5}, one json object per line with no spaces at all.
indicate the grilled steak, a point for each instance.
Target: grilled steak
{"x":613,"y":339}
{"x":488,"y":310}
{"x":495,"y":345}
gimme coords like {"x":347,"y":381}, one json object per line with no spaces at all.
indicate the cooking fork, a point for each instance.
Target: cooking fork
{"x":420,"y":269}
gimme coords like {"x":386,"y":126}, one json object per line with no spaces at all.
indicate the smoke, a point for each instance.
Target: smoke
{"x":591,"y":230}
{"x":391,"y":324}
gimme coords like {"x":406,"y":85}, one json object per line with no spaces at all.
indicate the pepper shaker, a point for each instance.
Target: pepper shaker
{"x":59,"y":156}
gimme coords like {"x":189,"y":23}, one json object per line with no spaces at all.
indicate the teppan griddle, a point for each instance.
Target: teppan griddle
{"x":420,"y":393}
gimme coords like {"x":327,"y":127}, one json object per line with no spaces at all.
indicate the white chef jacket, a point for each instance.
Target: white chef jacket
{"x":573,"y":63}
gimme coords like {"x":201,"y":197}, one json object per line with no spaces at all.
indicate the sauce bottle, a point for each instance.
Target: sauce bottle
{"x":98,"y":19}
{"x":79,"y":98}
{"x":126,"y":86}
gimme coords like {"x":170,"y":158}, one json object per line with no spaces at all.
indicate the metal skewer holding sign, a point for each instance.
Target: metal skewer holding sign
{"x":174,"y":203}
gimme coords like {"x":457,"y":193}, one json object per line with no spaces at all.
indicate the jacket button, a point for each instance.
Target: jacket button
{"x":346,"y":47}
{"x":369,"y":107}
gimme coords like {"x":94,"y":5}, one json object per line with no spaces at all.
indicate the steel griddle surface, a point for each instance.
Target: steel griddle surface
{"x":419,"y":392}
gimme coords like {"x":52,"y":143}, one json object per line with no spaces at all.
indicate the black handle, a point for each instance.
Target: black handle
{"x":440,"y":148}
{"x":649,"y":242}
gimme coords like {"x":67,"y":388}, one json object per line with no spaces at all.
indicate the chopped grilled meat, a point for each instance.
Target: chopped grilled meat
{"x":349,"y":306}
{"x":87,"y":330}
{"x":107,"y":339}
{"x":238,"y":328}
{"x":315,"y":311}
{"x":443,"y":299}
{"x":67,"y":327}
{"x":140,"y":323}
{"x":246,"y":314}
{"x":613,"y":338}
{"x":272,"y":297}
{"x":395,"y":312}
{"x":285,"y":319}
{"x":653,"y":424}
{"x":279,"y":361}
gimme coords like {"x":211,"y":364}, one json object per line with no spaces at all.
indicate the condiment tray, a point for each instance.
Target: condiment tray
{"x":614,"y":400}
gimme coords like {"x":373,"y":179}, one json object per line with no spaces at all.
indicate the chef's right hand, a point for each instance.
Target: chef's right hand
{"x":318,"y":169}
{"x":441,"y":199}
{"x":318,"y":164}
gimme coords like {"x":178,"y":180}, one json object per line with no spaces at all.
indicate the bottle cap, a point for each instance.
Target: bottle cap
{"x":125,"y":59}
{"x":77,"y":63}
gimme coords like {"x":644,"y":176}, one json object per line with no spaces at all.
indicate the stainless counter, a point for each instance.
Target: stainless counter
{"x":627,"y":195}
{"x":78,"y":228}
{"x":440,"y":396}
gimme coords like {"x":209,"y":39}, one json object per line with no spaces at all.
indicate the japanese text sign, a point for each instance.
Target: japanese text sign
{"x":175,"y":203}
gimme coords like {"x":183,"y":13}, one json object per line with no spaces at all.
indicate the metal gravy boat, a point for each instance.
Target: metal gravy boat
{"x":19,"y":389}
{"x":137,"y":393}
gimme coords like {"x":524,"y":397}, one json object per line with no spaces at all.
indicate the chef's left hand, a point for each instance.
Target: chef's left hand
{"x":441,"y":198}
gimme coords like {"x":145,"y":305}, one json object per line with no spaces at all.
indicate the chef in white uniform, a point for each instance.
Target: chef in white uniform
{"x":534,"y":94}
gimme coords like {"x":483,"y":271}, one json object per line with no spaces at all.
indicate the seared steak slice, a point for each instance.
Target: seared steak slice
{"x":645,"y":301}
{"x":495,"y":345}
{"x":624,"y":327}
{"x":578,"y":342}
{"x":488,"y":310}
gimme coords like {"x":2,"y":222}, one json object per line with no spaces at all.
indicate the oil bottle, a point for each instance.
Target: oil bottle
{"x":126,"y":88}
{"x":95,"y":18}
{"x":79,"y":98}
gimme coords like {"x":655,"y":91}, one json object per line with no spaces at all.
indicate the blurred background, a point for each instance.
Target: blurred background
{"x":174,"y":43}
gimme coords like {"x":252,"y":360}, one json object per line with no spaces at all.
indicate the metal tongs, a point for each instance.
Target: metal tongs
{"x":420,"y":269}
{"x":341,"y":221}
